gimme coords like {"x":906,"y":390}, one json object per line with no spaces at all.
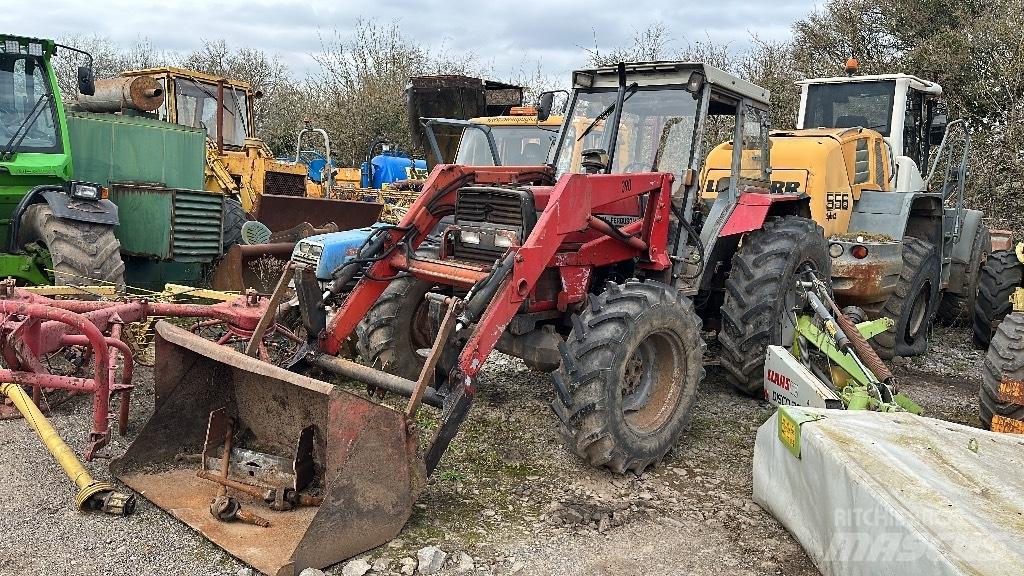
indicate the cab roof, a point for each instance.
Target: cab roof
{"x":838,"y":134}
{"x":913,"y":81}
{"x":668,"y":72}
{"x":194,"y":74}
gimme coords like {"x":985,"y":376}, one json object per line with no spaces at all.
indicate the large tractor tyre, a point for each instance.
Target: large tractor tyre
{"x":959,"y":308}
{"x":396,"y":328}
{"x":234,"y":218}
{"x":760,"y":295}
{"x":82,"y":253}
{"x":629,"y":374}
{"x":912,"y":305}
{"x":1004,"y":360}
{"x":1000,"y":276}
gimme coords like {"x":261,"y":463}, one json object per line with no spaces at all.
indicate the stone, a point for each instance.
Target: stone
{"x":431,"y":559}
{"x":356,"y":568}
{"x":396,"y":543}
{"x":463,"y":563}
{"x":408,"y":566}
{"x":245,"y":572}
{"x":381,"y":565}
{"x":517,"y":567}
{"x":312,"y":572}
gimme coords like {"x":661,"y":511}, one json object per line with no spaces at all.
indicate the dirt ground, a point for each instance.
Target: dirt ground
{"x":507,"y":497}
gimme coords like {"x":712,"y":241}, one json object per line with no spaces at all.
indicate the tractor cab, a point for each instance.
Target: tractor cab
{"x":191,"y":100}
{"x":904,"y":109}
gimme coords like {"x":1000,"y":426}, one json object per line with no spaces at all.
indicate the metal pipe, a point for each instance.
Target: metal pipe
{"x":616,"y":234}
{"x":141,"y":93}
{"x":220,"y":117}
{"x":375,"y":378}
{"x":92,"y":494}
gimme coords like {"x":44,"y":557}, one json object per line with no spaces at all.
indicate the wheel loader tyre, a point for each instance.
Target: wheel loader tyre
{"x":628,"y":376}
{"x":234,"y":218}
{"x":759,"y":292}
{"x":1000,"y":276}
{"x":912,"y":304}
{"x":1004,"y":360}
{"x":396,"y":328}
{"x":959,"y":308}
{"x":82,"y":253}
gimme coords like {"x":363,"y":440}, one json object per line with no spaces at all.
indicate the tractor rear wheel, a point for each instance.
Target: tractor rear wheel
{"x":82,"y":253}
{"x":1004,"y":360}
{"x":912,"y":305}
{"x":1000,"y":276}
{"x":396,"y":328}
{"x":234,"y":218}
{"x":959,"y":308}
{"x":760,"y":295}
{"x":629,"y":374}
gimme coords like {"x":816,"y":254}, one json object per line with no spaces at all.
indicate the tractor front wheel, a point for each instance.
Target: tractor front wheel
{"x":629,"y":374}
{"x":912,"y":305}
{"x":396,"y":328}
{"x":761,"y":296}
{"x":82,"y":253}
{"x":1003,"y":361}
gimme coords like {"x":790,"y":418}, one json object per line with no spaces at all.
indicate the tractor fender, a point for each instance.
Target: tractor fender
{"x":753,"y":208}
{"x":63,"y":206}
{"x":899,"y":214}
{"x":961,"y":253}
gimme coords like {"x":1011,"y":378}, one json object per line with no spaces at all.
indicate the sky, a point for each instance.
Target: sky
{"x":507,"y":38}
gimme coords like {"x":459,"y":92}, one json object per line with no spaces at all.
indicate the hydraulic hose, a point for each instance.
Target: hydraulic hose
{"x":92,"y":494}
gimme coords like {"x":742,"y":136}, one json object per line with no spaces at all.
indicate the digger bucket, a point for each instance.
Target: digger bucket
{"x":347,"y":468}
{"x":283,"y":212}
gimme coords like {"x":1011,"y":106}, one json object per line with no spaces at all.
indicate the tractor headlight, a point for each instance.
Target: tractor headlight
{"x":84,"y":191}
{"x":835,"y":250}
{"x":35,"y":49}
{"x":12,"y":46}
{"x":502,"y":240}
{"x":469,"y":237}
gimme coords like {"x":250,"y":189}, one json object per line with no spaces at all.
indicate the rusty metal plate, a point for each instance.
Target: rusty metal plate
{"x":283,"y":212}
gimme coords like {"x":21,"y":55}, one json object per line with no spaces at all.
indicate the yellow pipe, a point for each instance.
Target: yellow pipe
{"x":92,"y":494}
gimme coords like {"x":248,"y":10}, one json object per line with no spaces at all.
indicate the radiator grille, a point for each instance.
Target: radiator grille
{"x":490,"y":205}
{"x":197,"y":233}
{"x":284,"y":184}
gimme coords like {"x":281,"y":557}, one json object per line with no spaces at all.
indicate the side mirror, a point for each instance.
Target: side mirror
{"x":547,"y":100}
{"x":86,"y":81}
{"x":937,"y":131}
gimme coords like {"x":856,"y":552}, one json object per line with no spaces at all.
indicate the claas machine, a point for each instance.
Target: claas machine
{"x":600,"y":267}
{"x":885,"y":175}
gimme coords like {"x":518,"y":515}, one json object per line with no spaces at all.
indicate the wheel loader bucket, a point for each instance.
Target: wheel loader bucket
{"x":283,"y":212}
{"x":348,"y":468}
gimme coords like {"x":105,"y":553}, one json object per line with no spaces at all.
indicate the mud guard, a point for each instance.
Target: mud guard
{"x":365,"y":455}
{"x":63,"y":206}
{"x":753,"y":208}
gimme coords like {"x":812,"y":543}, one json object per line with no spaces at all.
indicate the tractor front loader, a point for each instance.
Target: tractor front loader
{"x":587,"y":268}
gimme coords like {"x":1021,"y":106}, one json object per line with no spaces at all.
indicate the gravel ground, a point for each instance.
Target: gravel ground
{"x":508,"y":497}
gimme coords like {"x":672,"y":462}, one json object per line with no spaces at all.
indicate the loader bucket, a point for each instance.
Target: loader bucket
{"x":283,"y":212}
{"x":354,"y":462}
{"x":255,"y":266}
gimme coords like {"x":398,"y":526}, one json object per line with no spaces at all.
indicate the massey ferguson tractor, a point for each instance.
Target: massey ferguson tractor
{"x":600,"y":268}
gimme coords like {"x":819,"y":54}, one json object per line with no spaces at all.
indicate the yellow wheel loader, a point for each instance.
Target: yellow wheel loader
{"x":884,"y":173}
{"x":240,"y":165}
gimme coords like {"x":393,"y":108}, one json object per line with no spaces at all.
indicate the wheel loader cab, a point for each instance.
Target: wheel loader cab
{"x":900,"y":107}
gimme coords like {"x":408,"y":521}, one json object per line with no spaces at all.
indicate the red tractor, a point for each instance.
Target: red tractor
{"x":602,"y":268}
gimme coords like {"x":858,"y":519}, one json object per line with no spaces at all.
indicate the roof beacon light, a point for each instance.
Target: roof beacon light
{"x":852,"y":66}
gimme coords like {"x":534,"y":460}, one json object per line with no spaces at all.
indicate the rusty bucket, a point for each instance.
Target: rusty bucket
{"x":282,"y":471}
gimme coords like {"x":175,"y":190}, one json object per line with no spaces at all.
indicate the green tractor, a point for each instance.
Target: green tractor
{"x":54,"y":229}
